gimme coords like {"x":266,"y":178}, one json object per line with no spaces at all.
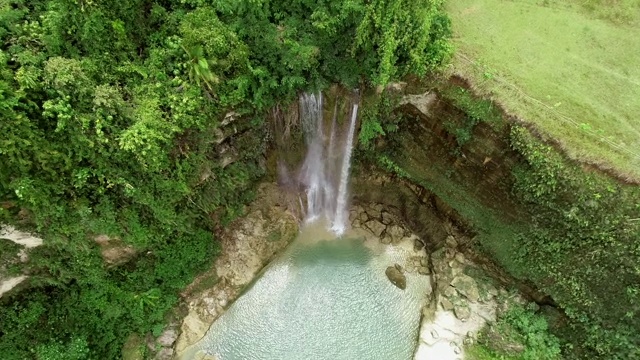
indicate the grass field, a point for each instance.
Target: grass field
{"x":572,"y":67}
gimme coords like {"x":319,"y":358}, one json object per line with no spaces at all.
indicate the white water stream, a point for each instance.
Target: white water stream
{"x":318,"y":173}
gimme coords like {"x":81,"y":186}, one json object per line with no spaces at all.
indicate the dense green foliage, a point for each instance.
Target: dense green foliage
{"x":585,"y":239}
{"x":519,"y":334}
{"x":391,"y":44}
{"x":375,"y":121}
{"x":475,"y":111}
{"x":112,"y":115}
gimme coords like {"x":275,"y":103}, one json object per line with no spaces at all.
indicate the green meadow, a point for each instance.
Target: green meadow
{"x":570,"y":67}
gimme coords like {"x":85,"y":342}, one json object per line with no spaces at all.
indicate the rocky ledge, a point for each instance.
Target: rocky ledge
{"x":24,"y":242}
{"x":461,"y":301}
{"x":248,"y":245}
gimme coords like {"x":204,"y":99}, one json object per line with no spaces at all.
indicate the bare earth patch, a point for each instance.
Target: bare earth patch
{"x":28,"y":241}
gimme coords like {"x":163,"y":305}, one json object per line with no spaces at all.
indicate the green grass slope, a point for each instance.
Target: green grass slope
{"x":570,"y":67}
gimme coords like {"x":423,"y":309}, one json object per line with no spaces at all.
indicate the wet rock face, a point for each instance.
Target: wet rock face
{"x":248,"y":244}
{"x":382,"y":224}
{"x":387,"y":200}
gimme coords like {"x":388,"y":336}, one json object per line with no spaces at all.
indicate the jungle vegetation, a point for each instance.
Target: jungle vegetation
{"x":108,"y":116}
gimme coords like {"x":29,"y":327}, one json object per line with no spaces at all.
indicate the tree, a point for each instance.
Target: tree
{"x":398,"y":38}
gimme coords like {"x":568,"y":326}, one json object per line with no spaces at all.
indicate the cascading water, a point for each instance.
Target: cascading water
{"x":341,"y":218}
{"x":318,"y":173}
{"x":313,"y":174}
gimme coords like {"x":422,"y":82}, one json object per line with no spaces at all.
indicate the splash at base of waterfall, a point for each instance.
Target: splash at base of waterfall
{"x":325,"y":171}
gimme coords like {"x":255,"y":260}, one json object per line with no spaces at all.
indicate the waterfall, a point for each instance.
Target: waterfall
{"x":340,"y":219}
{"x":313,"y":174}
{"x":330,"y":163}
{"x":319,"y":174}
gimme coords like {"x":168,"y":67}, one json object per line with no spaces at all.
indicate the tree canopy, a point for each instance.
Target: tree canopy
{"x":108,"y":111}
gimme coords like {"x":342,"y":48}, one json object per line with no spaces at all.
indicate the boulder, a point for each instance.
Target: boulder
{"x":446,"y":304}
{"x":229,"y":118}
{"x":450,"y":254}
{"x":114,"y":251}
{"x":361,"y":214}
{"x":449,"y":292}
{"x":387,"y":218}
{"x":451,"y":242}
{"x":466,"y":286}
{"x":422,"y":102}
{"x":376,"y":227}
{"x":397,"y":86}
{"x":417,"y":245}
{"x":462,"y":312}
{"x":353,"y":216}
{"x":374,"y":212}
{"x":491,"y":291}
{"x":396,"y":277}
{"x":167,"y":338}
{"x":118,"y":255}
{"x":424,"y":262}
{"x":395,"y":232}
{"x":102,"y":240}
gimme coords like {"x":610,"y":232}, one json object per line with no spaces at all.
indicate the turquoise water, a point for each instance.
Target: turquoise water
{"x":321,"y":300}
